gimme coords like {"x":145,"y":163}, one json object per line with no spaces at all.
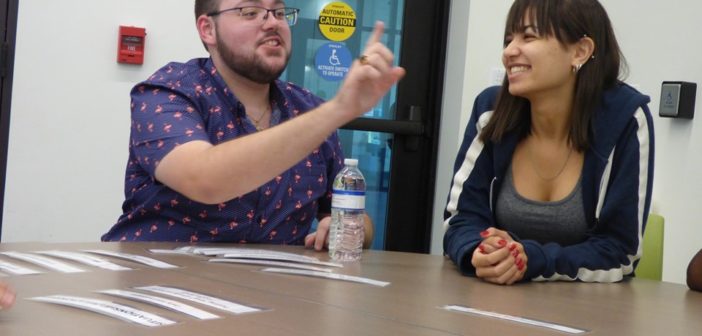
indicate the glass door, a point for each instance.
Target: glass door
{"x":394,"y":142}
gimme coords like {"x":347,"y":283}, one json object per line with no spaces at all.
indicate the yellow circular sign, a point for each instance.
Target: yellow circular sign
{"x":337,"y":21}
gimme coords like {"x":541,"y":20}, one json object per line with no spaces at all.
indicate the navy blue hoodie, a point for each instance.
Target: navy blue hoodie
{"x":617,"y":179}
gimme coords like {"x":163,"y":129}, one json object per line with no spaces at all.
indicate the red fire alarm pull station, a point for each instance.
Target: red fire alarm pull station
{"x":130,"y":45}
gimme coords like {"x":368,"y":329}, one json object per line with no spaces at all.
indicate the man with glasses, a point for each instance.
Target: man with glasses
{"x":220,"y":150}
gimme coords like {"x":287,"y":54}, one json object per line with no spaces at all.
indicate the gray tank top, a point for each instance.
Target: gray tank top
{"x":561,"y":222}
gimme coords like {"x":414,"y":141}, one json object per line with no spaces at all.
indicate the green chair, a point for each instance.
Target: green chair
{"x":651,"y":264}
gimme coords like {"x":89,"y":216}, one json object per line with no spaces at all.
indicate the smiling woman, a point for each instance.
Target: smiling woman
{"x":539,"y":192}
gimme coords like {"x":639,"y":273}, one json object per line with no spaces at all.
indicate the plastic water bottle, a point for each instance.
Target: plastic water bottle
{"x":347,"y":213}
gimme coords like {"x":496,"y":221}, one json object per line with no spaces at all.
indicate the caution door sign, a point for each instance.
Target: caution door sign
{"x":337,"y":21}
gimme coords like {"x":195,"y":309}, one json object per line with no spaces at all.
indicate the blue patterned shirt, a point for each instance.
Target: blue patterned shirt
{"x":187,"y":102}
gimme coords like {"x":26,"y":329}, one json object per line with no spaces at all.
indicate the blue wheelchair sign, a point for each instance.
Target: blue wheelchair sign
{"x":333,"y":61}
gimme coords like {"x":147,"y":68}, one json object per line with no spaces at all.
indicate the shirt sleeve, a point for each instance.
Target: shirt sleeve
{"x":161,"y":120}
{"x":468,"y":210}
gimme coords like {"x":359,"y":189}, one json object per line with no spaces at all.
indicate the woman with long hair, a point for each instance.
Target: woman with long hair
{"x":553,"y":179}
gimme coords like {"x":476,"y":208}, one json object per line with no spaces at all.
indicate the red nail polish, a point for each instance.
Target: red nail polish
{"x":515,"y":253}
{"x":520,"y":267}
{"x":481,"y":248}
{"x":502,"y":243}
{"x":518,"y":261}
{"x":484,"y":233}
{"x":512,"y":246}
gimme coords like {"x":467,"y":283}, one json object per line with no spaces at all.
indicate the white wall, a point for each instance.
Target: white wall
{"x":70,"y":110}
{"x":472,"y":56}
{"x":661,"y":45}
{"x":660,"y":41}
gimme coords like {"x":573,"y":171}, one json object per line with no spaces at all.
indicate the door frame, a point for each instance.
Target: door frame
{"x":416,"y":127}
{"x":8,"y":17}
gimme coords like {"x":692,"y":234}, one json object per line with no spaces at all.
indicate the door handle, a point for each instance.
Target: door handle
{"x":401,"y":127}
{"x":411,"y":130}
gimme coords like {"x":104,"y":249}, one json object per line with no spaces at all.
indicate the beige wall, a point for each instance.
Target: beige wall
{"x":70,"y":110}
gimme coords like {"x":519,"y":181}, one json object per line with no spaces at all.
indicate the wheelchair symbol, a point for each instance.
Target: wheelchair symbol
{"x":333,"y":59}
{"x":669,"y":99}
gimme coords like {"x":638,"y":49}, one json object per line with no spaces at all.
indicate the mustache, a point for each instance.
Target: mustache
{"x":269,"y":35}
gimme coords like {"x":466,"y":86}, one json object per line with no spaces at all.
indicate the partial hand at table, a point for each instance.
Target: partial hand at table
{"x":7,"y":296}
{"x":320,"y":238}
{"x":499,"y":259}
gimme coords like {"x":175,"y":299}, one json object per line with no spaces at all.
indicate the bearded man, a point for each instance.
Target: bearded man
{"x":221,"y":150}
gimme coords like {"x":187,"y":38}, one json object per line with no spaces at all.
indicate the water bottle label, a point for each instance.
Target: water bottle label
{"x":347,"y":199}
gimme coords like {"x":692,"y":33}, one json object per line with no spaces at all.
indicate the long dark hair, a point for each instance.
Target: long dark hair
{"x":568,"y":21}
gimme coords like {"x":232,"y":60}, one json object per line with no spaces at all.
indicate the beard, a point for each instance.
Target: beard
{"x":250,"y":66}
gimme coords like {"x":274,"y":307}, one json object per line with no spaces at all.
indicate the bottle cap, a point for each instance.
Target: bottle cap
{"x":351,"y":162}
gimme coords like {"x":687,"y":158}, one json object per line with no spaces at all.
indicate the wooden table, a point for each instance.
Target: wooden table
{"x":297,"y":305}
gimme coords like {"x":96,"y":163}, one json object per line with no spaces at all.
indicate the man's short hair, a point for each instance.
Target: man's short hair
{"x":205,"y":6}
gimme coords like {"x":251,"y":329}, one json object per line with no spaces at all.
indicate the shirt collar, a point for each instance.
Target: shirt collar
{"x":277,"y":91}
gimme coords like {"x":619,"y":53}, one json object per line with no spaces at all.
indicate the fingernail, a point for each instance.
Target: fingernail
{"x":484,"y":233}
{"x":512,"y":246}
{"x":481,"y":248}
{"x":515,"y":253}
{"x":520,"y":267}
{"x":518,"y":261}
{"x":502,"y":243}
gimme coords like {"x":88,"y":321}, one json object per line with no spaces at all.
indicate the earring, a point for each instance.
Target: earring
{"x":576,"y":68}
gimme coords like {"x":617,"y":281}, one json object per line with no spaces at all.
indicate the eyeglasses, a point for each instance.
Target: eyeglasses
{"x":252,"y":13}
